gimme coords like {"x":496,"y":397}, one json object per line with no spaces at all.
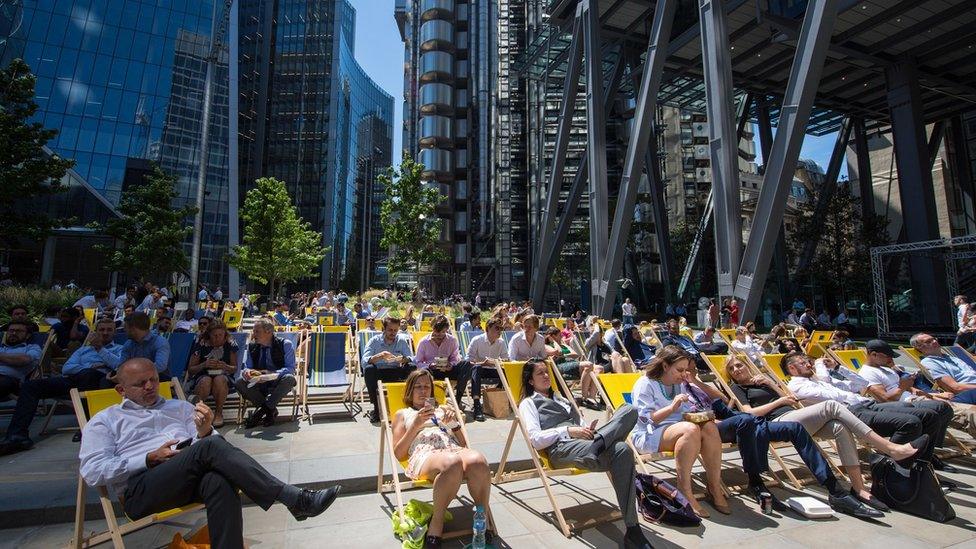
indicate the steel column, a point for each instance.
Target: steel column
{"x":935,"y":142}
{"x":811,"y":51}
{"x":959,"y":167}
{"x":570,"y":89}
{"x":233,"y":154}
{"x":634,"y":158}
{"x":826,"y":194}
{"x":780,"y":263}
{"x":915,"y":187}
{"x":865,"y":181}
{"x":660,"y":212}
{"x":724,"y":147}
{"x":596,"y":150}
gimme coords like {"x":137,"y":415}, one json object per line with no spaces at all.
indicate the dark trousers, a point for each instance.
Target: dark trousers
{"x":460,"y":372}
{"x":210,"y":471}
{"x":965,"y":397}
{"x":478,"y":373}
{"x":754,"y":434}
{"x":31,"y":392}
{"x":267,"y":394}
{"x":905,"y":421}
{"x":8,"y":386}
{"x":373,"y":375}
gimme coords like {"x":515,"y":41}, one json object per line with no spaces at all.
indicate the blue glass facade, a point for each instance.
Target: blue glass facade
{"x":122,"y":81}
{"x":303,"y":101}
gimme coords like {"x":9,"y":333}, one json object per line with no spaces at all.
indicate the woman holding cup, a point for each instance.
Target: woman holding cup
{"x":430,"y":439}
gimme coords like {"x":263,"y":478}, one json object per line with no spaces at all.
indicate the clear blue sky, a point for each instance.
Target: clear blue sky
{"x":380,"y":53}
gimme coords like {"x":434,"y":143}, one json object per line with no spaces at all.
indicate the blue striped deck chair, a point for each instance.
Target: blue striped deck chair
{"x":180,"y":345}
{"x":464,"y":340}
{"x":200,"y":313}
{"x":326,"y":368}
{"x":39,"y":339}
{"x":958,"y":352}
{"x":507,"y":335}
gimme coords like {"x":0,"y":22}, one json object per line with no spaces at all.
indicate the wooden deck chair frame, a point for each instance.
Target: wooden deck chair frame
{"x":295,"y":394}
{"x":541,"y":466}
{"x":347,"y":397}
{"x":115,"y":530}
{"x":717,"y":364}
{"x":818,"y":343}
{"x":641,"y":459}
{"x":385,"y":392}
{"x":963,"y":448}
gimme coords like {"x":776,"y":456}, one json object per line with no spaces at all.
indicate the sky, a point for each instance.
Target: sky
{"x":380,"y":53}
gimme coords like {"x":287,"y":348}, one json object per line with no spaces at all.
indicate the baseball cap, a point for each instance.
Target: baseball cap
{"x":879,"y":346}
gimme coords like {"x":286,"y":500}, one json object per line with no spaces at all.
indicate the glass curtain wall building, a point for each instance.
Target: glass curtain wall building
{"x":302,"y":99}
{"x":122,"y":81}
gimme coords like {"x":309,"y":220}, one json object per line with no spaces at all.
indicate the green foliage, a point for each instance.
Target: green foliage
{"x":150,"y":234}
{"x":841,"y":268}
{"x":37,"y":300}
{"x":26,"y":171}
{"x":411,"y":228}
{"x":682,"y":238}
{"x":279,"y":246}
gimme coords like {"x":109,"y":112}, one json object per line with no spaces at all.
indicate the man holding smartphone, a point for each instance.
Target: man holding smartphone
{"x":387,"y":357}
{"x":134,"y":449}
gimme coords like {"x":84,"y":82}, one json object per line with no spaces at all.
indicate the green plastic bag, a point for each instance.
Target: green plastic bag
{"x":416,"y":514}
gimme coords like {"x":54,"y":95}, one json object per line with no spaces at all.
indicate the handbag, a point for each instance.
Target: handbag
{"x":658,"y":501}
{"x":914,"y":490}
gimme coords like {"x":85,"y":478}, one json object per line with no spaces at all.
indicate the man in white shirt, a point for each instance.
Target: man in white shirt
{"x":218,"y":294}
{"x":528,"y":343}
{"x":483,"y":351}
{"x":628,"y":311}
{"x":203,"y":295}
{"x":900,"y":421}
{"x":159,"y":454}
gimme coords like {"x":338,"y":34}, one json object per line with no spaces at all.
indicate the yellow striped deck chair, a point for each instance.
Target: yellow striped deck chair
{"x":390,"y":401}
{"x":510,"y":374}
{"x":96,"y":402}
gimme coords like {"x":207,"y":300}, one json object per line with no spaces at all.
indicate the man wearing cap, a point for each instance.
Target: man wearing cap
{"x":887,"y":383}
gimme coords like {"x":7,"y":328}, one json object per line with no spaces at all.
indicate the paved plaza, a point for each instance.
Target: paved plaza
{"x":37,"y":495}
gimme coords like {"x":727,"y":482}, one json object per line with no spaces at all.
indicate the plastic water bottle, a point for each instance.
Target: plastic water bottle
{"x":478,"y":528}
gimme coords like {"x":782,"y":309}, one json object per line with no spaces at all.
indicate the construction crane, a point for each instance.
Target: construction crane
{"x":216,"y":46}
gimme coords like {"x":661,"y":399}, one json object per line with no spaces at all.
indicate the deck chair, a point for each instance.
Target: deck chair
{"x":727,"y":335}
{"x":180,"y":346}
{"x":916,"y":357}
{"x":507,"y":335}
{"x":819,"y":340}
{"x":416,"y":337}
{"x":326,"y":356}
{"x":326,"y":320}
{"x":391,"y":400}
{"x":510,"y":374}
{"x":464,"y":341}
{"x":362,"y":340}
{"x":717,"y":364}
{"x":963,"y":355}
{"x":293,"y":399}
{"x":852,"y":359}
{"x":98,"y":401}
{"x":90,"y":317}
{"x":232,"y":318}
{"x":366,"y":324}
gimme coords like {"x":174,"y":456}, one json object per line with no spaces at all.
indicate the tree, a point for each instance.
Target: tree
{"x":279,"y":246}
{"x":26,"y":170}
{"x":411,"y":229}
{"x":841,"y":267}
{"x":150,"y":234}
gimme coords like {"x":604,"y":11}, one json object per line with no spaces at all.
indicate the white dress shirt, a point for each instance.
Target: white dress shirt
{"x":480,"y":350}
{"x":115,"y":443}
{"x":520,"y":349}
{"x":749,"y":348}
{"x":841,"y":377}
{"x":814,"y":390}
{"x":539,"y":437}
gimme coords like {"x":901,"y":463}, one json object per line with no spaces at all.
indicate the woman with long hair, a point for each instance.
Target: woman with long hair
{"x":555,"y":428}
{"x":212,"y":367}
{"x":572,"y":366}
{"x":662,"y":397}
{"x":431,"y":440}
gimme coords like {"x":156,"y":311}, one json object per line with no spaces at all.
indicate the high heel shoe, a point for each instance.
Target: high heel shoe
{"x":701,"y":512}
{"x":721,"y":508}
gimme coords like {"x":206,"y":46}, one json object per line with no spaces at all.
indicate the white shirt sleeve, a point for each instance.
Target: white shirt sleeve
{"x":540,"y":439}
{"x":100,"y":465}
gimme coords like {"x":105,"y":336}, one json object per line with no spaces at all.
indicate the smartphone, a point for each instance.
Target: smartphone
{"x":183,"y":444}
{"x":430,"y":402}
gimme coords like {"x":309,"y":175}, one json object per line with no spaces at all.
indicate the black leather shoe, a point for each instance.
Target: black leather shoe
{"x":8,"y":447}
{"x":255,"y":418}
{"x":871,"y":502}
{"x":373,"y":416}
{"x":479,"y":414}
{"x":270,"y":415}
{"x":76,"y":437}
{"x":432,"y":542}
{"x":947,"y":485}
{"x":634,"y":539}
{"x":312,"y":503}
{"x":940,"y":465}
{"x":849,"y":505}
